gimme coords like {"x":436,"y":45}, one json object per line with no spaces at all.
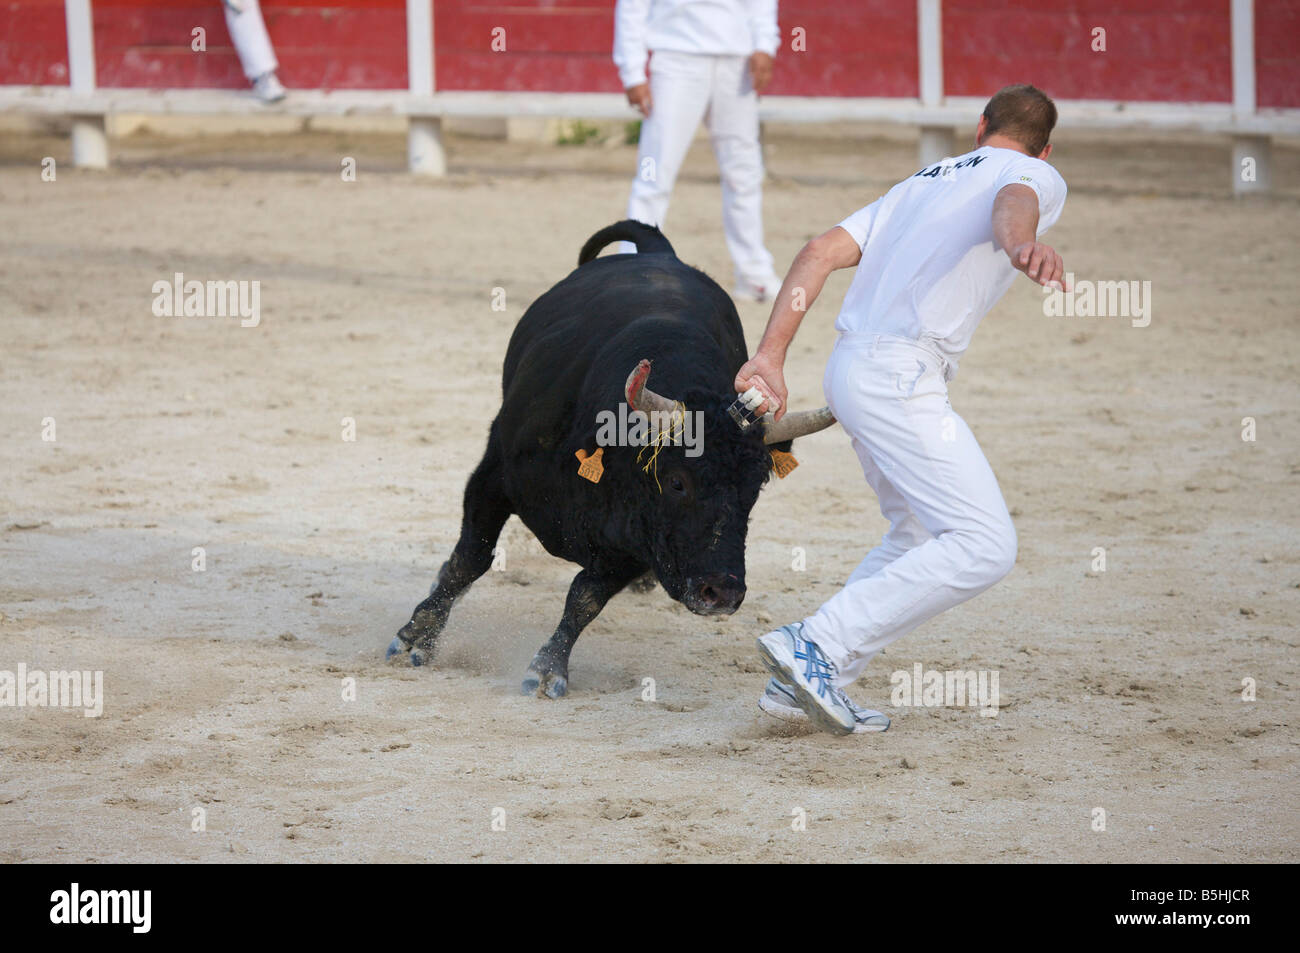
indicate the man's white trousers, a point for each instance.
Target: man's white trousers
{"x":950,"y":536}
{"x":248,"y":33}
{"x":687,"y":88}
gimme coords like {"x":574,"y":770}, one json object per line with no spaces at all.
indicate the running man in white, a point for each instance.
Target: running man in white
{"x":933,"y":256}
{"x":711,"y":60}
{"x":253,"y":44}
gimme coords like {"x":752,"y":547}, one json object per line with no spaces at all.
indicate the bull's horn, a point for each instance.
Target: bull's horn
{"x":642,"y":398}
{"x":797,"y":424}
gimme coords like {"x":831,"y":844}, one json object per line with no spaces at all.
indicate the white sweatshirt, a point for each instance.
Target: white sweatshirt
{"x":715,"y":27}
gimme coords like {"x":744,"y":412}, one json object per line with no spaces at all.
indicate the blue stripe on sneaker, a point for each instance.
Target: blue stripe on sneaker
{"x":818,"y":666}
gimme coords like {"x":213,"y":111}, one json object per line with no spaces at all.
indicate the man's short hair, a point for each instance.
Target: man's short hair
{"x":1024,"y":113}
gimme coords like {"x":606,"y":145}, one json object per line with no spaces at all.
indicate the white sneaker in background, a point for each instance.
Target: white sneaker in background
{"x":764,"y":289}
{"x":268,"y":88}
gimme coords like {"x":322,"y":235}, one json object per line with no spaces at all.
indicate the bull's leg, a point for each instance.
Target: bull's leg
{"x":548,"y":674}
{"x":486,"y":511}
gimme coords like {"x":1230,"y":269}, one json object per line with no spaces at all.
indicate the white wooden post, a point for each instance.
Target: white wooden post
{"x":1252,"y":156}
{"x":937,"y":142}
{"x":89,"y":135}
{"x":424,"y":150}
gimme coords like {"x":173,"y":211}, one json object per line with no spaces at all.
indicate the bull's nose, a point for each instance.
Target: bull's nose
{"x":719,"y":593}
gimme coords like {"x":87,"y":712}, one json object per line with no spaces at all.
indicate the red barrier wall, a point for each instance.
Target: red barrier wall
{"x":867,"y":48}
{"x":33,"y":43}
{"x":1277,"y":53}
{"x":556,"y":45}
{"x":322,"y":44}
{"x":863,"y":48}
{"x":1159,"y":50}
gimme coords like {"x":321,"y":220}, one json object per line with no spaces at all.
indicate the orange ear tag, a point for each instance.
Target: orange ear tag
{"x":589,"y":465}
{"x":783,"y":463}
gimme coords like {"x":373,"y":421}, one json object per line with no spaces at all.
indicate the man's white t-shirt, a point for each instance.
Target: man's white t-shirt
{"x":708,"y":27}
{"x":930,"y":267}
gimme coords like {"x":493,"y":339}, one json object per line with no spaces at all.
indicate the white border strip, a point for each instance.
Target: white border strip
{"x":419,"y":46}
{"x":1243,"y":56}
{"x":929,"y":42}
{"x":959,"y":112}
{"x":81,"y":46}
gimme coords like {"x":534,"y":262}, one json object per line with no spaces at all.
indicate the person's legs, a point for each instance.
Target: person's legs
{"x":905,"y":530}
{"x":733,"y":129}
{"x":905,"y":533}
{"x":892,"y":400}
{"x":679,"y":88}
{"x":252,"y":43}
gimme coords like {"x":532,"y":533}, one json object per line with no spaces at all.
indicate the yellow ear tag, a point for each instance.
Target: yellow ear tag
{"x":783,"y":463}
{"x":589,"y":465}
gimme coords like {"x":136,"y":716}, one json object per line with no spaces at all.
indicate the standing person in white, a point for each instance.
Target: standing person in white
{"x":253,"y":44}
{"x":711,"y":60}
{"x":933,"y":256}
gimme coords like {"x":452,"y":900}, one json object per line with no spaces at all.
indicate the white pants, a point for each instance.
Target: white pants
{"x":950,"y":536}
{"x":248,"y":33}
{"x":686,"y":88}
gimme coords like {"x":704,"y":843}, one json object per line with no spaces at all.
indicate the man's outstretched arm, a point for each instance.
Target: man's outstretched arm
{"x":1015,"y":229}
{"x":631,"y":19}
{"x":815,"y":261}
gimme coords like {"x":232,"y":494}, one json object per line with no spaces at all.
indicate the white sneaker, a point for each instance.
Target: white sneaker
{"x":268,"y":88}
{"x":779,"y":701}
{"x":800,"y":664}
{"x":762,"y":290}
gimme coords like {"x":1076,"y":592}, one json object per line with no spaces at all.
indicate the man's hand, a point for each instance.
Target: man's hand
{"x":639,"y":96}
{"x":1015,"y":229}
{"x":1041,"y":263}
{"x":760,"y":70}
{"x":773,"y":376}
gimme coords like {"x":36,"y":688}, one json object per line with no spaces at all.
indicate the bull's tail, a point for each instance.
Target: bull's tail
{"x":647,"y":238}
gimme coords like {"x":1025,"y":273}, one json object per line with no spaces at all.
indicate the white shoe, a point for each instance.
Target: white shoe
{"x":268,"y":88}
{"x":800,"y":664}
{"x":762,"y":290}
{"x":779,"y":701}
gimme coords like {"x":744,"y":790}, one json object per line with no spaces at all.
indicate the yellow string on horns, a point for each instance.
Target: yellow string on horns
{"x":662,"y":437}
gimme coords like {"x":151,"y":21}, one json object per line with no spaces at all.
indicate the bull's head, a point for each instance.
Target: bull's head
{"x":697,"y":533}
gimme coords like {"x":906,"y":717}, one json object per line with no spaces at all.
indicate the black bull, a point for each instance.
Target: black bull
{"x":680,"y":515}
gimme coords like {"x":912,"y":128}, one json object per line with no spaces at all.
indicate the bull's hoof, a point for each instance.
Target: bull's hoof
{"x":415,"y":655}
{"x":545,"y":684}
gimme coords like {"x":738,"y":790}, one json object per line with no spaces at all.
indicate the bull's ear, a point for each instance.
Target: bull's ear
{"x":783,"y":461}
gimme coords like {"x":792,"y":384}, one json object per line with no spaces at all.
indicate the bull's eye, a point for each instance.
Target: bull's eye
{"x":677,"y":485}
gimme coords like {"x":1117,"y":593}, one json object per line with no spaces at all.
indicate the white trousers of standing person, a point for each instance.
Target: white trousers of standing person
{"x":950,"y":536}
{"x":686,"y":88}
{"x":252,"y":43}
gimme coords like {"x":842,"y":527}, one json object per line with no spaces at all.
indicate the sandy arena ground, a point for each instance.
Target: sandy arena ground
{"x":1121,"y":689}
